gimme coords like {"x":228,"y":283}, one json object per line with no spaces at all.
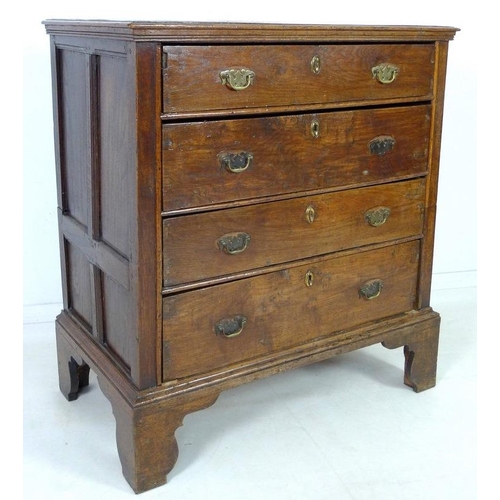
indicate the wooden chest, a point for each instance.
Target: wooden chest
{"x":236,"y":200}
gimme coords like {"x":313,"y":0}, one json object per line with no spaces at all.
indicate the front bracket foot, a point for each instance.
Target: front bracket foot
{"x":420,"y":352}
{"x":145,"y":438}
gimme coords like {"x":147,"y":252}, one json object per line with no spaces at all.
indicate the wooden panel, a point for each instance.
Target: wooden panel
{"x":74,"y":133}
{"x":281,"y":311}
{"x":97,"y":252}
{"x":286,"y":157}
{"x":117,"y":162}
{"x":283,"y":75}
{"x":280,"y":231}
{"x":117,"y":311}
{"x":79,"y":284}
{"x":108,"y":152}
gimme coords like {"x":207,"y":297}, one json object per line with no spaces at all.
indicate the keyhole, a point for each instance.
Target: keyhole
{"x":310,"y":214}
{"x":309,"y":278}
{"x":316,"y":65}
{"x":315,"y":128}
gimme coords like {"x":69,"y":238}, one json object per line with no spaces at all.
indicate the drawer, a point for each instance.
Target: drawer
{"x":215,"y":327}
{"x":222,"y":242}
{"x":215,"y":162}
{"x":204,"y":79}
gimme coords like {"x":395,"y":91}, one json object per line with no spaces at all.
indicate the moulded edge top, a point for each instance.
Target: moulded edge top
{"x":226,"y":32}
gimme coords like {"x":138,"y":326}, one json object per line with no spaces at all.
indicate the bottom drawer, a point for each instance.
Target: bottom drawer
{"x":218,"y":326}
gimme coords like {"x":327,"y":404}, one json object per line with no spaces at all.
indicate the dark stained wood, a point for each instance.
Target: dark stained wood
{"x":147,"y":225}
{"x":163,"y":316}
{"x":117,"y":321}
{"x":97,"y":298}
{"x":94,"y":147}
{"x":96,"y":252}
{"x":283,"y":75}
{"x":280,"y":231}
{"x":286,"y":156}
{"x":73,"y":370}
{"x":106,"y":167}
{"x":116,"y":165}
{"x":75,"y":143}
{"x":79,"y":285}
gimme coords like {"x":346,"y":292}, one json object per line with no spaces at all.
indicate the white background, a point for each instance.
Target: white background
{"x":473,"y":62}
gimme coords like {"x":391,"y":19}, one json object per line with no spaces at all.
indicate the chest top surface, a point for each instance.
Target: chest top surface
{"x":245,"y":32}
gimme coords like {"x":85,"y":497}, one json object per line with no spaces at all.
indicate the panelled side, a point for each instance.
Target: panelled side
{"x":96,"y":149}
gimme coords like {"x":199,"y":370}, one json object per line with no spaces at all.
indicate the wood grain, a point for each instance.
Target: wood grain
{"x":280,"y":231}
{"x":282,"y":311}
{"x":286,"y":157}
{"x":283,"y":75}
{"x":230,"y":32}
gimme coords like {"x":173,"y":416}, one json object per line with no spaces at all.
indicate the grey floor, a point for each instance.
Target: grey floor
{"x":343,"y":429}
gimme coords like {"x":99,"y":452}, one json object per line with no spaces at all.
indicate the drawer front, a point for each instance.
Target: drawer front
{"x":218,"y":326}
{"x":207,"y":163}
{"x":223,"y":242}
{"x":217,"y":78}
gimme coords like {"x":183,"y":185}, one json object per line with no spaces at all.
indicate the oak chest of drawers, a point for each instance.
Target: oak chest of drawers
{"x":236,"y":200}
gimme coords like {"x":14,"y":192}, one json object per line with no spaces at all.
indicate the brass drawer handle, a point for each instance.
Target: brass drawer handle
{"x":236,"y":162}
{"x":234,"y":243}
{"x":382,"y":144}
{"x":237,"y":79}
{"x":385,"y":73}
{"x":377,"y":216}
{"x":230,"y":327}
{"x":371,"y":289}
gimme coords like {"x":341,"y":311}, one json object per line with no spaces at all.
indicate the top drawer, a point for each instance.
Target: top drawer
{"x":217,"y":78}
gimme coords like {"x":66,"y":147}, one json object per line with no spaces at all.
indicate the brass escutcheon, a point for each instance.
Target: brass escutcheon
{"x":385,"y":73}
{"x":310,"y":214}
{"x":315,"y":128}
{"x":309,"y":278}
{"x":237,"y":79}
{"x":316,"y":64}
